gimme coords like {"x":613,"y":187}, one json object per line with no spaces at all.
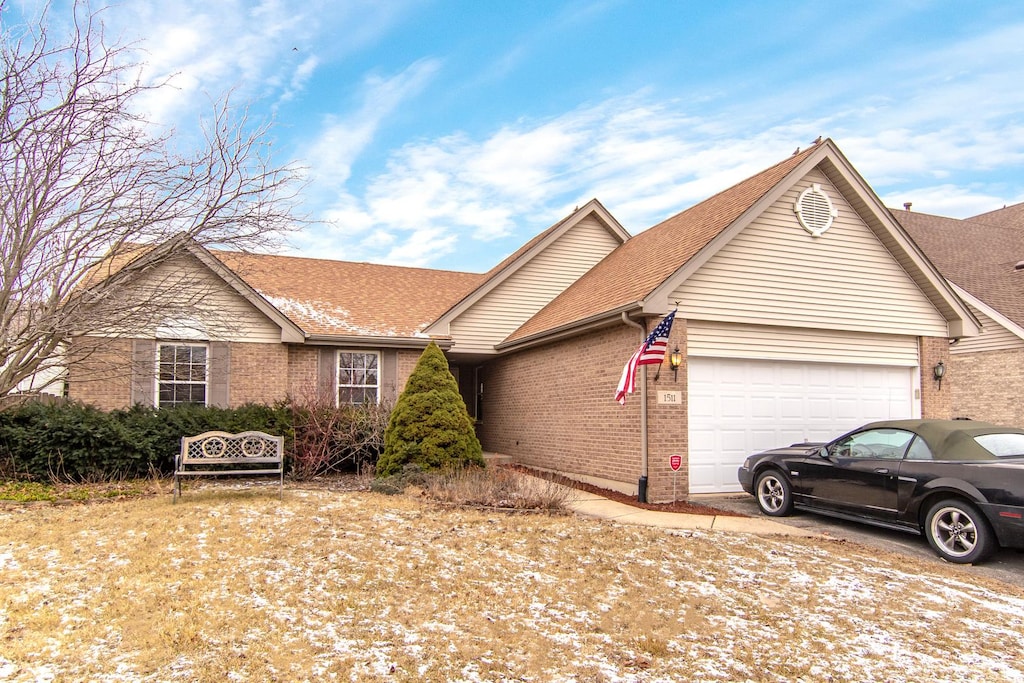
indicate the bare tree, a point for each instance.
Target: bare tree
{"x":92,"y":193}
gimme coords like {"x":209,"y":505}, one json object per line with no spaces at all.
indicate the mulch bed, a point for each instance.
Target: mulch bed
{"x":677,"y":506}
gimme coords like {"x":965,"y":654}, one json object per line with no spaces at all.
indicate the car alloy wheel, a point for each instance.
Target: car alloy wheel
{"x":774,"y":495}
{"x":958,"y":532}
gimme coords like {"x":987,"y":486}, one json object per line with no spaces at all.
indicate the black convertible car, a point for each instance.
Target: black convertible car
{"x":958,"y":482}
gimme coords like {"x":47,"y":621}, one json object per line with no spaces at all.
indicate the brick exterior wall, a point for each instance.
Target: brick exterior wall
{"x":101,"y":377}
{"x":259,"y":373}
{"x":303,"y":368}
{"x":936,"y":398}
{"x":986,"y":386}
{"x":553,"y":407}
{"x":406,"y":364}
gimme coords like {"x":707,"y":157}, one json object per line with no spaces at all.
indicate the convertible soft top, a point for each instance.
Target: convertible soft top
{"x":949,"y":439}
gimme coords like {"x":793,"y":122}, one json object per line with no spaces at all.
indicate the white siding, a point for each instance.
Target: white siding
{"x":775,"y":273}
{"x":993,"y":337}
{"x":194,"y":296}
{"x":724,"y":340}
{"x":512,"y":302}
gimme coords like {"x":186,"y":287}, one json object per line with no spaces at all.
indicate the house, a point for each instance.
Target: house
{"x":983,"y":258}
{"x":803,"y":309}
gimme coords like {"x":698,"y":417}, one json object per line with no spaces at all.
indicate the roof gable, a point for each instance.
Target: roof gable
{"x":532,"y":276}
{"x":629,"y":274}
{"x":777,"y":272}
{"x":643,"y":273}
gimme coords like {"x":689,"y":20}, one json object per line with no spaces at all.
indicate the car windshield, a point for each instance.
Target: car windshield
{"x":1002,"y":445}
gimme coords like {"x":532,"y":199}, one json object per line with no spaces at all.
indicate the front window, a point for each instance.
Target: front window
{"x":181,"y":374}
{"x":358,"y":377}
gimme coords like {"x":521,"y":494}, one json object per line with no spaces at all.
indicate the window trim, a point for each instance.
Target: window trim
{"x":338,"y":386}
{"x":160,"y":344}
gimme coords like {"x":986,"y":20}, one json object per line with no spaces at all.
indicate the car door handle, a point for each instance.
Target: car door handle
{"x":881,"y":470}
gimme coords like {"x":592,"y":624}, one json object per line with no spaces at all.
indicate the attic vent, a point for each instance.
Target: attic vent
{"x":814,"y":210}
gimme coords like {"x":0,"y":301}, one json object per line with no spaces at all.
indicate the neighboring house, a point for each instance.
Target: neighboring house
{"x":49,"y":381}
{"x":803,"y":309}
{"x":983,"y":257}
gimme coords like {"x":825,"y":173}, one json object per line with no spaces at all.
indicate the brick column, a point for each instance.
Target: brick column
{"x":668,"y":426}
{"x":936,"y":397}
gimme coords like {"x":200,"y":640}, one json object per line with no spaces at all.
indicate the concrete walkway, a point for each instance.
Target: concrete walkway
{"x":592,"y":505}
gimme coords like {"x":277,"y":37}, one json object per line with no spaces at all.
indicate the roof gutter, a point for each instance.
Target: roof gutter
{"x":377,"y":342}
{"x":605,"y":319}
{"x":641,"y":487}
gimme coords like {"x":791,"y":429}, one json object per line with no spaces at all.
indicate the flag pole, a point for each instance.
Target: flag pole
{"x":642,"y":484}
{"x":650,"y":352}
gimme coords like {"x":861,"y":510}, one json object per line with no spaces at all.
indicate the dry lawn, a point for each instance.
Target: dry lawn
{"x":231,"y":584}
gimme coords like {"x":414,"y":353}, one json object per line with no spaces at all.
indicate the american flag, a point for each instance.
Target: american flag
{"x":651,"y":352}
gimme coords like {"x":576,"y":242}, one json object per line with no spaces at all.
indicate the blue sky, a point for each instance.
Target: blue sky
{"x":446,"y":134}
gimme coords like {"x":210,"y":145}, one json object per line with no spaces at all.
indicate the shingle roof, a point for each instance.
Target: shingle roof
{"x":1008,"y":216}
{"x":977,"y":254}
{"x":645,"y":261}
{"x":351,"y":299}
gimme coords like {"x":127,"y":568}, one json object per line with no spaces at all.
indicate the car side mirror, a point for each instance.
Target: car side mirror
{"x":823,"y":452}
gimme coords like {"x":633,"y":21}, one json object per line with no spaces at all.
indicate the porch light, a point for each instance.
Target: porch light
{"x":939,"y":371}
{"x":675,"y":359}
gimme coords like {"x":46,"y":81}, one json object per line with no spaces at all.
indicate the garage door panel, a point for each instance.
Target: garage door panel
{"x":704,"y":410}
{"x":818,"y":376}
{"x":760,"y":440}
{"x":761,"y":409}
{"x":733,"y":406}
{"x":846,"y":409}
{"x":778,"y":404}
{"x":789,"y":436}
{"x":731,"y":440}
{"x":816,"y":407}
{"x":791,"y":408}
{"x":790,"y":377}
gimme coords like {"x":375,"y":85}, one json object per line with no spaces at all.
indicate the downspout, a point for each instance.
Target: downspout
{"x":641,"y":489}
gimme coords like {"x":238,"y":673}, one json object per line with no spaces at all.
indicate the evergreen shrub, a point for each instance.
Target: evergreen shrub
{"x":74,"y":443}
{"x":430,"y":426}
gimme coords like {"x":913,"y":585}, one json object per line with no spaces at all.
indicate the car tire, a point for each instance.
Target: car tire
{"x":774,"y":494}
{"x":958,"y":532}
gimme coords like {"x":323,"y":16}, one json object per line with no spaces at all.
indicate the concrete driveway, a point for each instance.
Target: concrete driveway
{"x":1005,"y":565}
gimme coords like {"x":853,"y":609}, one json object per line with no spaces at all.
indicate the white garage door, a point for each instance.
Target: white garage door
{"x":740,"y":407}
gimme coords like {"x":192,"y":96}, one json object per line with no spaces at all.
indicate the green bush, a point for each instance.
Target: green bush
{"x":73,"y":442}
{"x":68,"y":442}
{"x":430,"y":426}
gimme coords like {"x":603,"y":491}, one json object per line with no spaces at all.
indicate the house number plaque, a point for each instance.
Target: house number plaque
{"x":672,"y":398}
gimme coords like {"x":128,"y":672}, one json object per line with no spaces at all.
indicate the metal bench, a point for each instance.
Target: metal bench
{"x":216,"y":453}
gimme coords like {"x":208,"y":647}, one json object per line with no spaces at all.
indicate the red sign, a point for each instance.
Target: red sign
{"x":675,"y":462}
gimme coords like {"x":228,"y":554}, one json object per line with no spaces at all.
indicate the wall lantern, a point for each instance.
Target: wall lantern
{"x":675,"y":359}
{"x":939,"y":371}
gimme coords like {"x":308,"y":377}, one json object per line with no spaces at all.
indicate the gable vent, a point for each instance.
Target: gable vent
{"x":814,"y":210}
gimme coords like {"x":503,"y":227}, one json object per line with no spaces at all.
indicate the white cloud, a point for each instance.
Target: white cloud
{"x":646,"y":159}
{"x":259,"y":50}
{"x":341,"y":140}
{"x":949,"y":200}
{"x":913,"y":121}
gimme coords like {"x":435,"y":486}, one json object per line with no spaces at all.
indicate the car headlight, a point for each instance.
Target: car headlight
{"x":746,"y":463}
